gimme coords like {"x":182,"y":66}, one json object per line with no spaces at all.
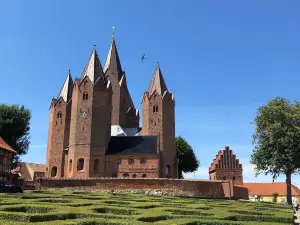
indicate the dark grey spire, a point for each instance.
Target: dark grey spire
{"x":66,"y":90}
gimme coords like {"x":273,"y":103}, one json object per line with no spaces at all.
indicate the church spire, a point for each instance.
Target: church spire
{"x":93,"y":68}
{"x":66,"y":90}
{"x":157,"y":82}
{"x":113,"y":61}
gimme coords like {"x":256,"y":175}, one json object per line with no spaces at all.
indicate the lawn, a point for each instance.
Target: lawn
{"x":93,"y":208}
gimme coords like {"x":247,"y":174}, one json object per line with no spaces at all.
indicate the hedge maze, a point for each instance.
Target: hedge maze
{"x":95,"y":208}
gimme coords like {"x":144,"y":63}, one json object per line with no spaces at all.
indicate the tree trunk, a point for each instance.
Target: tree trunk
{"x":289,"y":187}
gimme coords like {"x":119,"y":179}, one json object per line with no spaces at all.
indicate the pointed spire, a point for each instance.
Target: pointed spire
{"x":93,"y":68}
{"x":65,"y":91}
{"x":157,"y":82}
{"x":113,"y":61}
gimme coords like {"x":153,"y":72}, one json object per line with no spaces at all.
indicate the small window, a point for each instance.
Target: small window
{"x":155,"y":108}
{"x":234,"y":178}
{"x":144,"y":175}
{"x":131,"y":161}
{"x":85,"y":96}
{"x":118,"y":161}
{"x":134,"y":176}
{"x":224,"y":178}
{"x":53,"y":171}
{"x":59,"y":115}
{"x":168,"y":172}
{"x":70,"y":165}
{"x":96,"y":165}
{"x":80,"y":164}
{"x":143,"y":161}
{"x":125,"y":175}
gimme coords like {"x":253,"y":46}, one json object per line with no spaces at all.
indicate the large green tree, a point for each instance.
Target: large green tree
{"x":187,"y":160}
{"x":277,"y":140}
{"x":14,"y":128}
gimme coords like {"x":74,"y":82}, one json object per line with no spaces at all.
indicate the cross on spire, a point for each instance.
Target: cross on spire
{"x":113,"y":31}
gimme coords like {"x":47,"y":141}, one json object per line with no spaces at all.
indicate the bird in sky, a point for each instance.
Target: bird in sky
{"x":143,"y":57}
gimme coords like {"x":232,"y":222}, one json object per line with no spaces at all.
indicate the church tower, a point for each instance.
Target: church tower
{"x":123,"y":110}
{"x":59,"y":129}
{"x":90,"y":121}
{"x":158,"y":119}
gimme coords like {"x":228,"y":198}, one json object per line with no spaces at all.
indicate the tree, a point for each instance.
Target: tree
{"x":14,"y":128}
{"x":275,"y":196}
{"x":187,"y":161}
{"x":277,"y":140}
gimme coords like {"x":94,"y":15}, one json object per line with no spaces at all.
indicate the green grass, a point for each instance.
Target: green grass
{"x":96,"y":208}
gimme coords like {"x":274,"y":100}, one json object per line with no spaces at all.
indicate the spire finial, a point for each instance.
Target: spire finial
{"x":94,"y":46}
{"x":157,"y":63}
{"x":113,"y":32}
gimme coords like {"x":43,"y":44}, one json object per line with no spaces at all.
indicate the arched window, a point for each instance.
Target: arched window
{"x":96,"y":165}
{"x":155,"y":96}
{"x":59,"y":115}
{"x":85,"y":96}
{"x":134,"y":176}
{"x":168,"y":172}
{"x":80,"y":164}
{"x":131,"y":161}
{"x":70,"y":165}
{"x":144,"y":175}
{"x":224,"y":178}
{"x":118,"y":161}
{"x":143,"y":161}
{"x":53,"y":171}
{"x":234,"y":178}
{"x":125,"y":175}
{"x":155,"y":108}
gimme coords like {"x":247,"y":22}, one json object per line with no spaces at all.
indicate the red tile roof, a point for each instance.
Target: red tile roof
{"x":267,"y":189}
{"x":6,"y":146}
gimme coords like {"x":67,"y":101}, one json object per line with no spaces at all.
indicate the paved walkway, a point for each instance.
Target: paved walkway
{"x":297,"y":221}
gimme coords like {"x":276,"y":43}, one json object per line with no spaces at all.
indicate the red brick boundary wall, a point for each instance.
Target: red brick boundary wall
{"x":207,"y":188}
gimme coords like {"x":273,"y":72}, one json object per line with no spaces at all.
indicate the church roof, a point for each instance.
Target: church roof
{"x":225,"y":159}
{"x":157,"y":82}
{"x":132,"y":145}
{"x":113,"y":61}
{"x":93,"y":68}
{"x":4,"y":145}
{"x":65,"y":90}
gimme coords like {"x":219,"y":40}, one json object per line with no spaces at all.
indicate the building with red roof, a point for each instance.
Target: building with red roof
{"x":6,"y":156}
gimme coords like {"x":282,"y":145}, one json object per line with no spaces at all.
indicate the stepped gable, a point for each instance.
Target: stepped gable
{"x":225,"y":159}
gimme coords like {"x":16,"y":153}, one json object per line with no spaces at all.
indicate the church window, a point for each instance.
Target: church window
{"x":53,"y":171}
{"x":233,"y":178}
{"x":80,"y":164}
{"x":118,"y":161}
{"x":125,"y":175}
{"x":96,"y":165}
{"x":131,"y":161}
{"x":59,"y":115}
{"x":134,"y":176}
{"x":144,"y":175}
{"x":168,"y":172}
{"x":155,"y":108}
{"x":70,"y":165}
{"x":85,"y":96}
{"x":143,"y":161}
{"x":154,"y":96}
{"x":224,"y":178}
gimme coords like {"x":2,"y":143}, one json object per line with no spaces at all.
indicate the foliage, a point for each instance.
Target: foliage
{"x":187,"y":161}
{"x":275,"y":196}
{"x":14,"y":128}
{"x":97,"y":208}
{"x":277,"y":140}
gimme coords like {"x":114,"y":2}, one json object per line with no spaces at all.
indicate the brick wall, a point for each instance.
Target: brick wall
{"x":241,"y":192}
{"x":180,"y":186}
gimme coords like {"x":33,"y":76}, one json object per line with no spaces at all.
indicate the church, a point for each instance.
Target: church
{"x":94,"y":126}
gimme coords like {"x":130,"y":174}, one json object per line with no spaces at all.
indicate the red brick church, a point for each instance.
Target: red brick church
{"x":94,"y":126}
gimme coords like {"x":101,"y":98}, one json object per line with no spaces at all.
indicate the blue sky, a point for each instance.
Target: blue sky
{"x":217,"y":57}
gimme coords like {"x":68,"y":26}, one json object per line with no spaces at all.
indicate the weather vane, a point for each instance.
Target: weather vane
{"x":113,"y":31}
